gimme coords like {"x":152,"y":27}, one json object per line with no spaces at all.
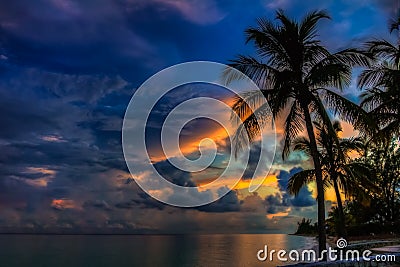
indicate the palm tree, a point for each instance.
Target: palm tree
{"x":342,"y":172}
{"x":295,"y":73}
{"x":382,"y":81}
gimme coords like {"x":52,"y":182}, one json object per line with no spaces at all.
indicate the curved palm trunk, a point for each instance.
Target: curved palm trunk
{"x":342,"y":222}
{"x":319,"y":181}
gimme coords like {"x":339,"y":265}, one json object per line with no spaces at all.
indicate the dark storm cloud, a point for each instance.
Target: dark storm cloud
{"x":173,"y":174}
{"x":71,"y":36}
{"x":99,"y":204}
{"x":275,"y":204}
{"x":15,"y":193}
{"x":227,"y":203}
{"x":142,"y":201}
{"x":39,"y":102}
{"x":284,"y":176}
{"x":303,"y":199}
{"x":131,"y":38}
{"x":48,"y":150}
{"x":146,"y":201}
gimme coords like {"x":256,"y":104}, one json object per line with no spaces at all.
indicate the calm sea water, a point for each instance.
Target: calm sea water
{"x":142,"y":250}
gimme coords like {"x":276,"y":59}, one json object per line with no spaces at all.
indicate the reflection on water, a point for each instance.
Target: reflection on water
{"x":142,"y":250}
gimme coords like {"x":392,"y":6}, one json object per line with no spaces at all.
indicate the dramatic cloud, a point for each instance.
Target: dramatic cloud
{"x":68,"y":69}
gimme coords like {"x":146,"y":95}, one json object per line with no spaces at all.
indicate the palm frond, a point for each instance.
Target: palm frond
{"x":394,"y":24}
{"x":354,"y":57}
{"x":251,"y":128}
{"x":382,"y":49}
{"x":246,"y":103}
{"x":307,"y":29}
{"x":349,"y":111}
{"x":326,"y":74}
{"x":335,"y":70}
{"x":293,"y":126}
{"x":302,"y":144}
{"x":267,"y":39}
{"x":300,"y":179}
{"x":352,"y":144}
{"x":384,"y":74}
{"x":262,"y":74}
{"x":371,"y":98}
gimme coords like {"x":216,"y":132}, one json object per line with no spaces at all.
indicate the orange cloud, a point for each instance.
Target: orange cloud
{"x":270,"y":180}
{"x":47,"y":175}
{"x":53,"y":138}
{"x":62,"y":204}
{"x":279,"y":214}
{"x":190,"y":143}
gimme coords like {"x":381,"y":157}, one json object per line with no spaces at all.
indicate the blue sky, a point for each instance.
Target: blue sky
{"x":67,"y":72}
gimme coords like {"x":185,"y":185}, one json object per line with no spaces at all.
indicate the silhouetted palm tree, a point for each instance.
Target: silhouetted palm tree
{"x":296,"y":73}
{"x":382,"y":81}
{"x":342,"y":173}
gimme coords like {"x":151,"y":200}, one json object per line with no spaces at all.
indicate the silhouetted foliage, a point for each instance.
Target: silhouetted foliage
{"x":305,"y":227}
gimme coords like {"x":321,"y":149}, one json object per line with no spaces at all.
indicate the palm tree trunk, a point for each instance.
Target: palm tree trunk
{"x":319,"y":180}
{"x":342,"y":222}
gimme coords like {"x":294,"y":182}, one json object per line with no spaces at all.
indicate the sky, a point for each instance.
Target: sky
{"x":68,"y":70}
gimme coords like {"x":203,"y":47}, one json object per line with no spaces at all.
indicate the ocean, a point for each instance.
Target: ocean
{"x":143,"y":250}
